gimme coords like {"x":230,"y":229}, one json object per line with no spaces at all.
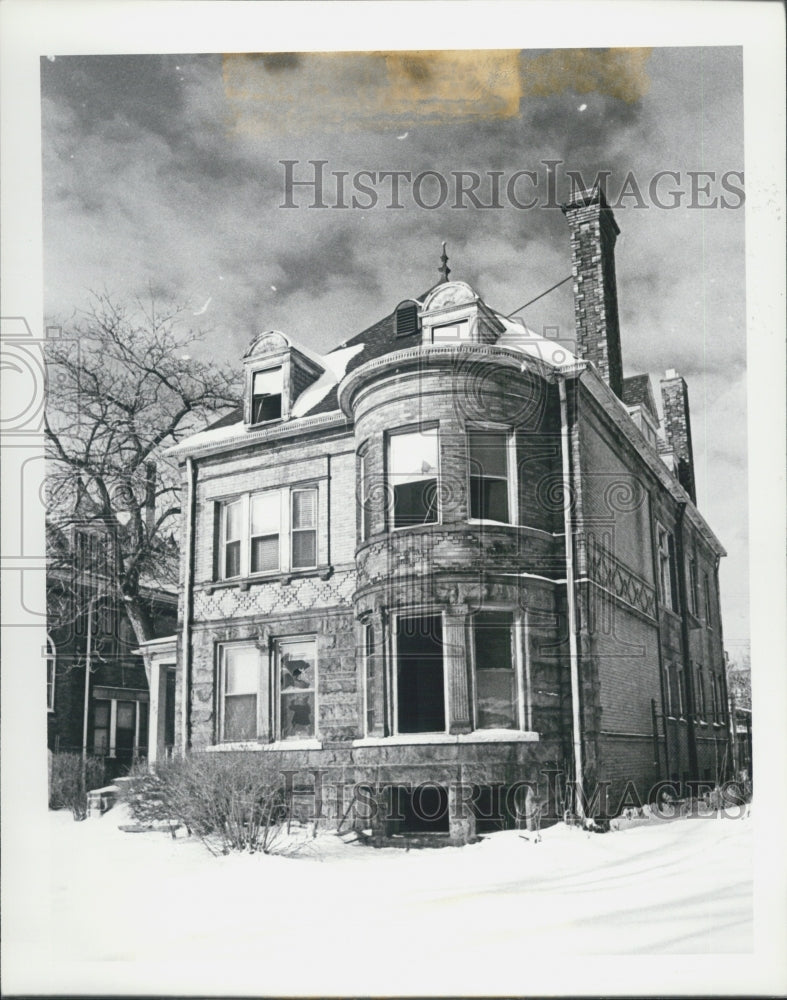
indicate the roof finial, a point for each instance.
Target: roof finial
{"x":445,"y":270}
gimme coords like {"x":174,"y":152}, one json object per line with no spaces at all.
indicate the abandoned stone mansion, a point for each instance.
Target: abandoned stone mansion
{"x":452,"y":554}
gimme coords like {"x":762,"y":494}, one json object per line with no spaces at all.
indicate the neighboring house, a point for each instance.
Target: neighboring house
{"x":448,"y":554}
{"x":103,"y":712}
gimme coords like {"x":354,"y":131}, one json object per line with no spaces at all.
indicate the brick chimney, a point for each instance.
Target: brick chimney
{"x":677,"y":428}
{"x":593,"y":234}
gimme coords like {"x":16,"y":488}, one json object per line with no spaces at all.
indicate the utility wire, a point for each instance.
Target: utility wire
{"x":530,"y":303}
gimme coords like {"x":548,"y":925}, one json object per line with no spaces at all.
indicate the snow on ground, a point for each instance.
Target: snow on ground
{"x":141,"y":911}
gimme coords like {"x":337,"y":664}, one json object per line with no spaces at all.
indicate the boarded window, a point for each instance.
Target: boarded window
{"x":419,"y":676}
{"x":488,"y":454}
{"x":266,"y":395}
{"x":265,"y":527}
{"x":495,"y":674}
{"x":297,"y":668}
{"x":451,"y":331}
{"x":240,"y":682}
{"x":412,"y":471}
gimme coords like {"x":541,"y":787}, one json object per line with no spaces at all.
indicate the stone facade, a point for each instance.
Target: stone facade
{"x":460,"y":569}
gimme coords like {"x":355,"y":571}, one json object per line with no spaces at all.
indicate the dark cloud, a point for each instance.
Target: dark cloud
{"x":163,"y":171}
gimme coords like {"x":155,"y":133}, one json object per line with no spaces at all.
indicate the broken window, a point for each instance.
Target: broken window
{"x":304,"y":528}
{"x":297,"y":662}
{"x":265,"y":526}
{"x":412,"y":473}
{"x":266,"y":395}
{"x":232,"y":531}
{"x":240,"y":669}
{"x":419,"y":677}
{"x":488,"y":453}
{"x":495,"y":673}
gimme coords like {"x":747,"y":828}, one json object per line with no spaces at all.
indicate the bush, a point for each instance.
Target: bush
{"x":70,"y":781}
{"x":231,"y":801}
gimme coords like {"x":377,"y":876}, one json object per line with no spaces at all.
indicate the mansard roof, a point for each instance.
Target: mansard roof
{"x":320,"y":398}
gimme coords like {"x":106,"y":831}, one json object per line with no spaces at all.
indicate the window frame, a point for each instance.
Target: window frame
{"x":701,"y":707}
{"x":365,"y":512}
{"x":707,"y":599}
{"x":51,"y":667}
{"x":224,"y":541}
{"x":369,"y":664}
{"x":222,"y":649}
{"x":275,"y":691}
{"x":111,"y":727}
{"x":285,"y":496}
{"x":253,"y":396}
{"x":315,"y":528}
{"x":411,"y":429}
{"x":520,"y":695}
{"x":666,"y":561}
{"x":422,"y":611}
{"x":511,"y":478}
{"x":693,"y":583}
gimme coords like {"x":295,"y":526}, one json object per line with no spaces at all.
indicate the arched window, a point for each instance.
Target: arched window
{"x":51,"y":660}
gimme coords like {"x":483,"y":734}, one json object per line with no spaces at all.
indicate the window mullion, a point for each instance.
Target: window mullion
{"x":285,"y":538}
{"x":513,"y":486}
{"x":522,"y":670}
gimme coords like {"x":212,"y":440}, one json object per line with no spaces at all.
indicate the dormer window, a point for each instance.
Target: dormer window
{"x":266,"y":395}
{"x":451,"y":331}
{"x":454,"y":314}
{"x":276,"y":374}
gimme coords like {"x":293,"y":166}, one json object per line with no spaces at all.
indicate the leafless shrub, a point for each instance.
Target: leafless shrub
{"x":71,"y":779}
{"x":231,"y":801}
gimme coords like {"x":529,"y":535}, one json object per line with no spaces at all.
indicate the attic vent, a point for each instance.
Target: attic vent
{"x":406,"y":319}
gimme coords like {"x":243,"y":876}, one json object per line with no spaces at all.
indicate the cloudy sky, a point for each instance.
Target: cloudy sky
{"x":162,"y":174}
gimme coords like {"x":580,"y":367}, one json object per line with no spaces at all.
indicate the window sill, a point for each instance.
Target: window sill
{"x":246,"y":582}
{"x":427,"y":739}
{"x":255,"y":745}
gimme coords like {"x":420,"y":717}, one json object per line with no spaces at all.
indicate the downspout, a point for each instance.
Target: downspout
{"x":665,"y":708}
{"x":185,"y":652}
{"x":726,"y":696}
{"x":576,"y":724}
{"x":88,"y":658}
{"x":688,"y":665}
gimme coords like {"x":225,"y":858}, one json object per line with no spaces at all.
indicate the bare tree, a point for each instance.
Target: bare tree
{"x":122,"y":388}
